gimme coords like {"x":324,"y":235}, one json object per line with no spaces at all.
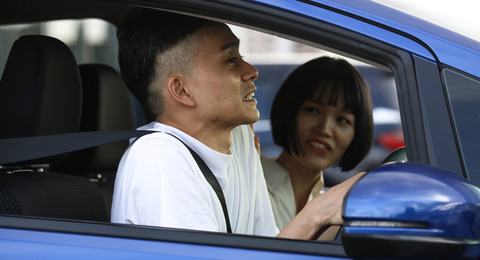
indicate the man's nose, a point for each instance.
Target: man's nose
{"x":250,"y":73}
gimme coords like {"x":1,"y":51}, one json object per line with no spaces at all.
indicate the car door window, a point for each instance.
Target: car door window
{"x":463,"y":94}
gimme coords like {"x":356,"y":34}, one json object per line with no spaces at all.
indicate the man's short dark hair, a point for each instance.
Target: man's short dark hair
{"x":333,"y":76}
{"x":143,"y":35}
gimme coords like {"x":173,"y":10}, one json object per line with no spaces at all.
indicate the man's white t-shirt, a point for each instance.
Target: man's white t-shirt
{"x":159,"y":183}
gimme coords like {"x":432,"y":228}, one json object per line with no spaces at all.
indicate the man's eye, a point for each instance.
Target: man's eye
{"x":232,"y":60}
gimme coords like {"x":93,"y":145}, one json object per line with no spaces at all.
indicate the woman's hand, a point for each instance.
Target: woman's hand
{"x":256,"y":139}
{"x":323,"y":211}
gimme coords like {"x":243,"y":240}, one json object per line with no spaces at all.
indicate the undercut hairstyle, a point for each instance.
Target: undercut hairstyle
{"x":312,"y":80}
{"x":152,"y":46}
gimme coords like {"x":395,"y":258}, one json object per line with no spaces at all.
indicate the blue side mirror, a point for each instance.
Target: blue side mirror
{"x":412,"y":210}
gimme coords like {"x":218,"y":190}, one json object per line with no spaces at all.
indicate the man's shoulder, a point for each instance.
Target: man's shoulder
{"x":155,"y":136}
{"x":160,"y":133}
{"x":158,"y":144}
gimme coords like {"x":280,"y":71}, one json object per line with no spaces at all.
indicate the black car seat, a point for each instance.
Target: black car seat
{"x":40,"y":94}
{"x":107,"y":105}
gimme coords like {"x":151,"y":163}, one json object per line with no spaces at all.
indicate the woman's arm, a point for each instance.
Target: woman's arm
{"x":323,"y":211}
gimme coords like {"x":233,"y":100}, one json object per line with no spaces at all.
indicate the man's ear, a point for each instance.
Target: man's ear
{"x":178,"y":91}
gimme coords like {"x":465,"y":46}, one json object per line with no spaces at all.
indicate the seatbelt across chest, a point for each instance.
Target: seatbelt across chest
{"x":212,"y":180}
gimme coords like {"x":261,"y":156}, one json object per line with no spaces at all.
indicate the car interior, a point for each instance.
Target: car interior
{"x":78,"y":185}
{"x":105,"y":97}
{"x":41,"y":74}
{"x":42,"y":80}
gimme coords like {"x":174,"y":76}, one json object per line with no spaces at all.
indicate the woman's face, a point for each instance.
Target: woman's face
{"x":324,"y":132}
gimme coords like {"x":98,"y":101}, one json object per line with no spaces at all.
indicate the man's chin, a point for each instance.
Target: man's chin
{"x":248,"y":119}
{"x":254,"y":118}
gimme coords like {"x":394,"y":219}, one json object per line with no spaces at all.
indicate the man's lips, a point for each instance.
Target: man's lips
{"x":249,"y":96}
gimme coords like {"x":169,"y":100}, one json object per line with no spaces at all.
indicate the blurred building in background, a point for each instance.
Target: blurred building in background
{"x":91,"y":40}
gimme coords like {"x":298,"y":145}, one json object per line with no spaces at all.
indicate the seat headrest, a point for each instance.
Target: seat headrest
{"x":106,"y":100}
{"x":106,"y":106}
{"x":40,"y":90}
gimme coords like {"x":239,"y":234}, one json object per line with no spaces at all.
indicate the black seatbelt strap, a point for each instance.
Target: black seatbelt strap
{"x":212,"y":180}
{"x":16,"y":150}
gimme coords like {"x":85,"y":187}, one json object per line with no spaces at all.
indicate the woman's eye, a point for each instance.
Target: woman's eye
{"x":312,"y":110}
{"x":344,"y":120}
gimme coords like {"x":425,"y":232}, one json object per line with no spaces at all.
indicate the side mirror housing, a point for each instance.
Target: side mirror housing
{"x":412,"y":210}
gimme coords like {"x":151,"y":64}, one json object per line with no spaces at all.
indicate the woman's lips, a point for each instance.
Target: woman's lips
{"x":319,"y":146}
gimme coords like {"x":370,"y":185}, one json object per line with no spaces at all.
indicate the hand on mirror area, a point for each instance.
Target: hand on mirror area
{"x":330,"y":203}
{"x":323,"y":211}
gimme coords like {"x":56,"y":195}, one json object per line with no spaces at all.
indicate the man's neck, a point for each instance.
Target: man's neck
{"x":217,"y":138}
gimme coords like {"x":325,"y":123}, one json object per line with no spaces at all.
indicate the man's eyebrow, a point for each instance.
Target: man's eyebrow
{"x":229,"y":45}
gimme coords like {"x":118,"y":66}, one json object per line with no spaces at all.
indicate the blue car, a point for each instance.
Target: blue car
{"x":66,"y":121}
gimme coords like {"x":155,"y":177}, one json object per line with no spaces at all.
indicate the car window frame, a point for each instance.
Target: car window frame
{"x":439,"y":136}
{"x":454,"y":80}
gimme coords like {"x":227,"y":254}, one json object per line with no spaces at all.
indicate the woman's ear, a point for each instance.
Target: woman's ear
{"x":178,"y":90}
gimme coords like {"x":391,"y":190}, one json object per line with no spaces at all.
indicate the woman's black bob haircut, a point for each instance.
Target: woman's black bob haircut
{"x":324,"y":75}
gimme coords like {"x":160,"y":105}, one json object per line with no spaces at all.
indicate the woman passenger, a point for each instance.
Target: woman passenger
{"x":321,"y":116}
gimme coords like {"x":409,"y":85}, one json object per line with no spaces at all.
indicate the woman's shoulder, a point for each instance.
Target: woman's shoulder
{"x":274,"y":173}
